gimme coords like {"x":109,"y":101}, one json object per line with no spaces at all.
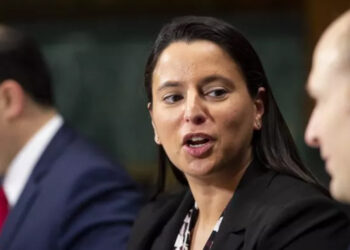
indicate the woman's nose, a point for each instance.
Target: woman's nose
{"x":194,"y":110}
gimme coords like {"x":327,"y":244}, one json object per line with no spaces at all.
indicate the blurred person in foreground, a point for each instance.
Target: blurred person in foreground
{"x":329,"y":124}
{"x":329,"y":85}
{"x":219,"y":128}
{"x":58,"y":191}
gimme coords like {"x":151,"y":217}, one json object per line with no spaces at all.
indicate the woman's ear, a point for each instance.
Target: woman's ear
{"x":259,"y":103}
{"x":156,"y":138}
{"x":12,"y":98}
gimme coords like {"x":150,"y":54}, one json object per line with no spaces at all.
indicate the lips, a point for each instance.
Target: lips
{"x":198,"y":144}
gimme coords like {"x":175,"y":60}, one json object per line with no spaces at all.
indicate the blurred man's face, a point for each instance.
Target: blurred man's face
{"x":329,"y":125}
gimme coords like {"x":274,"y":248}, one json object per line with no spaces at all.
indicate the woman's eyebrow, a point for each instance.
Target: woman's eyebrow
{"x":213,"y":78}
{"x":168,"y":84}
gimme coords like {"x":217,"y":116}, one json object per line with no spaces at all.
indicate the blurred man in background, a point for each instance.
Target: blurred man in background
{"x":329,"y":85}
{"x":58,"y":191}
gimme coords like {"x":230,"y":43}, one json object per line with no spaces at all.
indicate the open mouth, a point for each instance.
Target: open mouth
{"x":198,"y":145}
{"x":196,"y":141}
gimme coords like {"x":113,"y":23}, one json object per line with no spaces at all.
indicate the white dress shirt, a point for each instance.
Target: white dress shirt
{"x":23,"y":164}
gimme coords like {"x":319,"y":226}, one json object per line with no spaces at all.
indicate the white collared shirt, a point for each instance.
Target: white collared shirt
{"x":23,"y":164}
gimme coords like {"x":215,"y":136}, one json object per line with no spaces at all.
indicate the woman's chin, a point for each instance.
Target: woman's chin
{"x":199,"y":170}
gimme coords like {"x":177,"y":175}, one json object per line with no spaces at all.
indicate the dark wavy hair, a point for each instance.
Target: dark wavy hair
{"x":273,"y":145}
{"x":21,"y":60}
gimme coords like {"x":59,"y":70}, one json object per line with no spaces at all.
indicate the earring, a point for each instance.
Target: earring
{"x":156,"y":139}
{"x":258,"y":124}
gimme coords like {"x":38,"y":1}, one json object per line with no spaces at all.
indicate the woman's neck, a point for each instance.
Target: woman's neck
{"x":213,"y":193}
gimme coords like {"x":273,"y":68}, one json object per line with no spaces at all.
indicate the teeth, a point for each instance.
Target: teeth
{"x":197,"y":141}
{"x":197,"y":138}
{"x":196,"y":145}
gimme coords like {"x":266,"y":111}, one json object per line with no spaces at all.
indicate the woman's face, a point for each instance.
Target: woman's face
{"x":201,"y":110}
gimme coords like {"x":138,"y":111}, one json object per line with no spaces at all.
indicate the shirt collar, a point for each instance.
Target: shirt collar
{"x":24,"y":162}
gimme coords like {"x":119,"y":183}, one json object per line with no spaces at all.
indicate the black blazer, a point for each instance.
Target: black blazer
{"x":268,"y":211}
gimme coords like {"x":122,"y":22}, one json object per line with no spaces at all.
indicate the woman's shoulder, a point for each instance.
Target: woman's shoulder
{"x":161,"y":208}
{"x":165,"y":202}
{"x":286,"y":187}
{"x":152,"y":218}
{"x":300,"y":213}
{"x":277,"y":189}
{"x":287,"y":193}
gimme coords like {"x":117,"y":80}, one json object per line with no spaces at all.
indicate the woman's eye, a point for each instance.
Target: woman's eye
{"x":217,"y":93}
{"x":172,"y":98}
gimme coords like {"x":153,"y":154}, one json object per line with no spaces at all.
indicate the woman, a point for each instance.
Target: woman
{"x":218,"y":126}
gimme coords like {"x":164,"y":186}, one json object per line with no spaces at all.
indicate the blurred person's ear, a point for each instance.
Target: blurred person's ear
{"x":12,"y":98}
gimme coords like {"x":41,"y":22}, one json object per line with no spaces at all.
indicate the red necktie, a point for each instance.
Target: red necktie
{"x":4,"y":207}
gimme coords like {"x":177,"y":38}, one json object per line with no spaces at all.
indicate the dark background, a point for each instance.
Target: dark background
{"x":97,"y":51}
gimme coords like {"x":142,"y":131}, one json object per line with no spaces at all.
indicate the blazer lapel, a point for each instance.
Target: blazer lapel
{"x":167,"y":237}
{"x":27,"y":198}
{"x":17,"y":214}
{"x":56,"y":147}
{"x":240,"y":209}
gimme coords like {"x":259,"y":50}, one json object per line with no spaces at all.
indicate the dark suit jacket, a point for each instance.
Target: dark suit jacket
{"x":268,"y":211}
{"x":74,"y":199}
